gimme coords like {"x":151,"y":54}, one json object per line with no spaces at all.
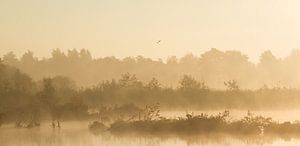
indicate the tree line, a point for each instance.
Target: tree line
{"x":214,"y":67}
{"x":26,"y":101}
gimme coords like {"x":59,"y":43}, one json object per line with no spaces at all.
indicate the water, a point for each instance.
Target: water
{"x":77,"y":134}
{"x":80,"y":136}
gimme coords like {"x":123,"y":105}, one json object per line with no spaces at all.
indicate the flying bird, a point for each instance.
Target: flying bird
{"x":158,"y":41}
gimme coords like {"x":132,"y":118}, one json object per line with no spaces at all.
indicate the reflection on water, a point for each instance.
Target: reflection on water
{"x":77,"y":134}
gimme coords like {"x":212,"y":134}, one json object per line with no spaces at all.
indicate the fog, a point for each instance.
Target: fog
{"x":213,"y":67}
{"x":217,"y":98}
{"x":150,"y":73}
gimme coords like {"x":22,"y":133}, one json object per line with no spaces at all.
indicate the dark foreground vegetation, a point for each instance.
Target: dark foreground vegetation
{"x":205,"y":124}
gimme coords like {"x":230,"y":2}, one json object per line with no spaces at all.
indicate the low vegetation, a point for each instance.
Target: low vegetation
{"x":26,"y":102}
{"x":205,"y":124}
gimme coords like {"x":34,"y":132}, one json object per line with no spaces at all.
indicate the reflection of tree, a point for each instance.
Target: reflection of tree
{"x":202,"y":139}
{"x":257,"y":139}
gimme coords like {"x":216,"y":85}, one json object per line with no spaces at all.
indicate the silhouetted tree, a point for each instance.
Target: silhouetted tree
{"x":48,"y":97}
{"x":153,"y":84}
{"x":128,"y":80}
{"x":188,"y":83}
{"x":231,"y":85}
{"x":28,"y":58}
{"x":10,"y":59}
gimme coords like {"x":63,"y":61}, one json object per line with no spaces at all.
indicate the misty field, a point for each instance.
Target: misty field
{"x":59,"y":110}
{"x":149,"y":73}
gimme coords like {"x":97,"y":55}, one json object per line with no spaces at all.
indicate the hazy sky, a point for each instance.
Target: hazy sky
{"x":131,"y":27}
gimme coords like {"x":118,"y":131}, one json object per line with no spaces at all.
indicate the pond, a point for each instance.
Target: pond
{"x":77,"y":134}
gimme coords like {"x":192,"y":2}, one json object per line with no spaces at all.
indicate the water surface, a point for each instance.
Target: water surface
{"x":77,"y":134}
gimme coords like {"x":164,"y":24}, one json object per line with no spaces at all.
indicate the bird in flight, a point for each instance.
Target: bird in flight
{"x":158,"y":41}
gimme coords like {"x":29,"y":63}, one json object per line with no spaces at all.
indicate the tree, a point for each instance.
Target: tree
{"x":10,"y":59}
{"x":58,"y":55}
{"x":187,"y":83}
{"x":1,"y":65}
{"x":231,"y":85}
{"x":189,"y":59}
{"x":48,"y":98}
{"x":270,"y":68}
{"x":1,"y":119}
{"x":267,"y":59}
{"x":48,"y":91}
{"x":62,"y":82}
{"x":128,"y":80}
{"x":153,"y":84}
{"x":85,"y":55}
{"x":73,"y":55}
{"x":28,"y":58}
{"x":172,"y":60}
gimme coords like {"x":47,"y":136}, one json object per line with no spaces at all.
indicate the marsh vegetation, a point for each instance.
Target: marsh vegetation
{"x":127,"y":105}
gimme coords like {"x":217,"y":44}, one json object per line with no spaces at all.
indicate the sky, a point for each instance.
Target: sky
{"x":132,"y":27}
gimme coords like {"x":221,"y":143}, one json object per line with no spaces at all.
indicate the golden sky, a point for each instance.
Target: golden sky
{"x":131,"y":27}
